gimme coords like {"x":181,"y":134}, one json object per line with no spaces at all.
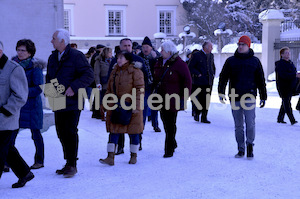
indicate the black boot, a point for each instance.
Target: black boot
{"x":22,"y":181}
{"x":250,"y":151}
{"x":196,"y":117}
{"x":120,"y":151}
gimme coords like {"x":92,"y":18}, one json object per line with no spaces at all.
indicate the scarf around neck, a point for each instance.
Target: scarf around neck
{"x":24,"y":63}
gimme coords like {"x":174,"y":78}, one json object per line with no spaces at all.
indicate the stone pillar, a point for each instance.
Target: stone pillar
{"x":271,"y":20}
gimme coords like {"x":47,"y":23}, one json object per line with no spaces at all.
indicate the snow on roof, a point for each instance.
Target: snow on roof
{"x":159,"y":35}
{"x":270,"y":14}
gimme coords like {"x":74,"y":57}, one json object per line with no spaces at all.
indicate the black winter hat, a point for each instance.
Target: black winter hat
{"x":147,"y":41}
{"x":100,"y":46}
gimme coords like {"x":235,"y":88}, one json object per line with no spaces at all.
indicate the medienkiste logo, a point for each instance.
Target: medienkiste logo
{"x":57,"y":100}
{"x":53,"y":91}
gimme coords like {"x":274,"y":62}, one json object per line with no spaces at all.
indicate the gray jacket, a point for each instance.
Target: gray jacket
{"x":13,"y":95}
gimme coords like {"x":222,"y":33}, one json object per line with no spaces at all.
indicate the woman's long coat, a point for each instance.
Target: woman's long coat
{"x":31,"y":115}
{"x":126,"y":78}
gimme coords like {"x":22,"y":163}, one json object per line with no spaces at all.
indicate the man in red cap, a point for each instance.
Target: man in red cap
{"x":245,"y":75}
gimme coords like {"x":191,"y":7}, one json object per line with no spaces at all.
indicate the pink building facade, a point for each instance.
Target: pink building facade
{"x":107,"y":21}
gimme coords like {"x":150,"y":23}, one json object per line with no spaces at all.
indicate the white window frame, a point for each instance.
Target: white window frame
{"x":171,"y":9}
{"x":115,"y":8}
{"x":70,"y":9}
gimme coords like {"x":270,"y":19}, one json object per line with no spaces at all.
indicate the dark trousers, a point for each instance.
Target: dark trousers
{"x":9,"y":154}
{"x":66,"y":127}
{"x":169,"y":120}
{"x":37,"y":138}
{"x":286,"y":108}
{"x":204,"y":99}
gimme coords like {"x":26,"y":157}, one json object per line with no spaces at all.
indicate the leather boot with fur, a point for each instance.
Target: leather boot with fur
{"x":110,"y":160}
{"x":133,"y":149}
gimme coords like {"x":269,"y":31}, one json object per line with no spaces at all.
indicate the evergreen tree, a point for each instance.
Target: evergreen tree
{"x":241,"y":16}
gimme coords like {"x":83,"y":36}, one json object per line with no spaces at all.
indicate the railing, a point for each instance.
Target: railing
{"x":289,"y":25}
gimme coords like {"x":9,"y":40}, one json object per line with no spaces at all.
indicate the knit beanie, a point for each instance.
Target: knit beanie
{"x":246,"y":40}
{"x":147,"y":41}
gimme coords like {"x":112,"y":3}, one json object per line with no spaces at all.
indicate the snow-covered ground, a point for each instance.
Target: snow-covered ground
{"x":203,"y":165}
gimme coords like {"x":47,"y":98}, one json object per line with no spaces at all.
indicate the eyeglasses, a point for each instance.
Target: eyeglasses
{"x":241,"y":44}
{"x":21,"y":50}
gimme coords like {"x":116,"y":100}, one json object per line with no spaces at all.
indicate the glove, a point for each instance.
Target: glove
{"x":99,"y":86}
{"x":262,"y":103}
{"x":222,"y":99}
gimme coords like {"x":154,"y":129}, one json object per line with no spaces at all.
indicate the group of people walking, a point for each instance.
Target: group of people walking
{"x":127,"y":74}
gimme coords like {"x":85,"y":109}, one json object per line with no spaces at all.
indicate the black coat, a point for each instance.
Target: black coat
{"x":286,"y":79}
{"x":245,"y":74}
{"x":203,"y":64}
{"x":73,"y":70}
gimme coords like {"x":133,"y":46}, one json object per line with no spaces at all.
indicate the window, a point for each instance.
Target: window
{"x":115,"y":20}
{"x":68,"y":18}
{"x":166,"y":20}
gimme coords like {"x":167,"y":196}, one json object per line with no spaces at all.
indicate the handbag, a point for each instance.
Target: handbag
{"x":120,"y":115}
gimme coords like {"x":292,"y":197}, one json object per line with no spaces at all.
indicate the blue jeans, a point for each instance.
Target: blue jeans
{"x":114,"y":138}
{"x":154,"y":116}
{"x":154,"y":113}
{"x":240,"y":116}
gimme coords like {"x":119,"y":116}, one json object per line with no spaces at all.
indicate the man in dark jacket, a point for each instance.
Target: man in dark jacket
{"x":286,"y":81}
{"x":13,"y":95}
{"x":245,"y":75}
{"x":150,"y":57}
{"x":71,"y":69}
{"x":203,"y":70}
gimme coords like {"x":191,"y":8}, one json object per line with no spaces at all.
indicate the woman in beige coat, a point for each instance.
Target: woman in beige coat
{"x":127,"y":77}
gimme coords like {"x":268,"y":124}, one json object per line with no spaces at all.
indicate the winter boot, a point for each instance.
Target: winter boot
{"x":133,"y":150}
{"x":110,"y":160}
{"x":240,"y":154}
{"x":250,"y":151}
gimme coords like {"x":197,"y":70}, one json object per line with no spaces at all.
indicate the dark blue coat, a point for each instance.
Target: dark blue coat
{"x":245,"y":74}
{"x":285,"y":77}
{"x":73,"y":70}
{"x":202,"y":64}
{"x":31,"y":115}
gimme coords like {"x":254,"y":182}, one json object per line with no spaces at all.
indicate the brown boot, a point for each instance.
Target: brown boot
{"x":110,"y":160}
{"x":133,"y":149}
{"x":133,"y":158}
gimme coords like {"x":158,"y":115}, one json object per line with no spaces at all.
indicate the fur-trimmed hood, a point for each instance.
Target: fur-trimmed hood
{"x":39,"y":63}
{"x":136,"y":64}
